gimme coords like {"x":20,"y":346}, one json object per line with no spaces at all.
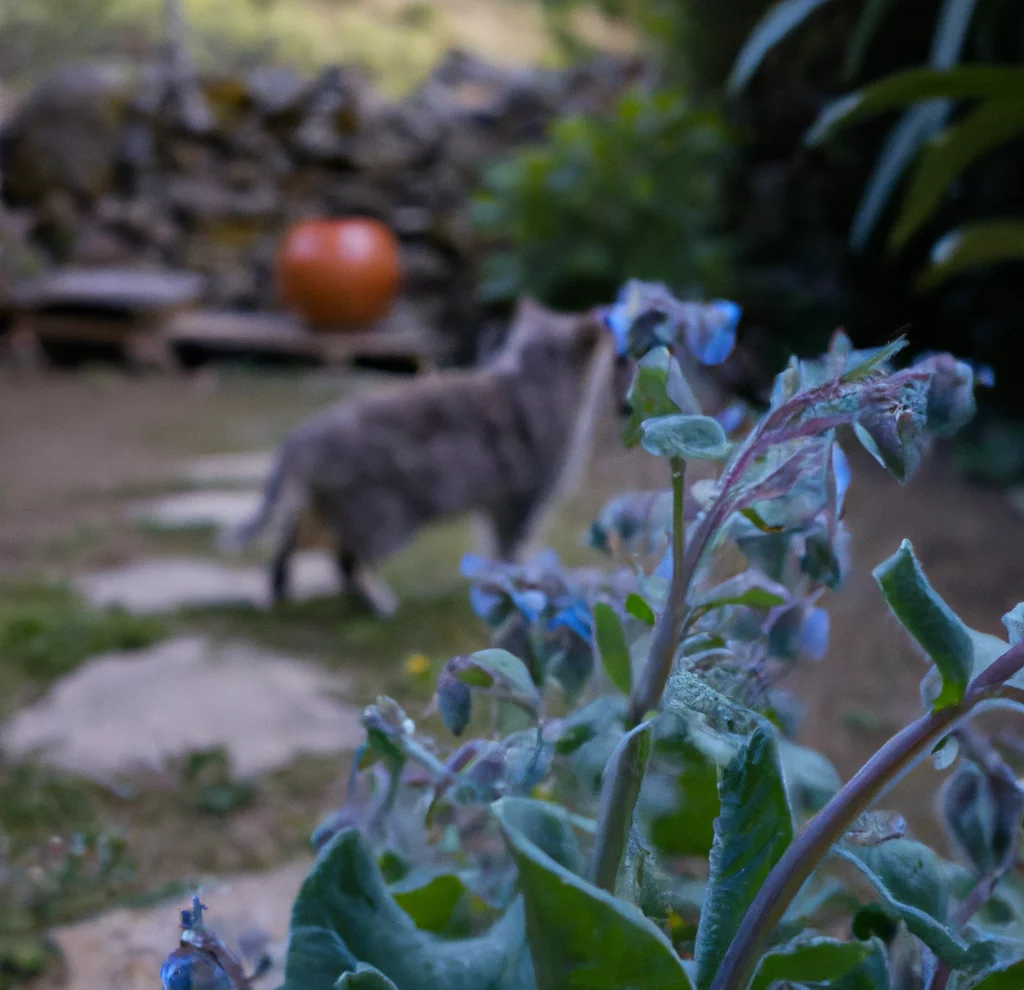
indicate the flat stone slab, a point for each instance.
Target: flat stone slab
{"x":166,"y":584}
{"x":124,"y":949}
{"x":130,"y":711}
{"x":233,"y":469}
{"x":197,"y":510}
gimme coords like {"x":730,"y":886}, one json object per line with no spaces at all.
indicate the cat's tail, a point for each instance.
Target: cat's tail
{"x":283,"y":501}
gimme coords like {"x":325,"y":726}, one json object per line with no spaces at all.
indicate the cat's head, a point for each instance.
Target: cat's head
{"x":543,"y":338}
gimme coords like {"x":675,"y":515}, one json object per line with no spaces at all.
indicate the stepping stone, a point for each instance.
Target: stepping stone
{"x":166,"y":584}
{"x":197,"y":510}
{"x":124,"y":949}
{"x":135,"y":711}
{"x":232,"y":469}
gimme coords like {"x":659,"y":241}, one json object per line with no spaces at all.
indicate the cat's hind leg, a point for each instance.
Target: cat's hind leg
{"x":366,"y":587}
{"x":280,"y":565}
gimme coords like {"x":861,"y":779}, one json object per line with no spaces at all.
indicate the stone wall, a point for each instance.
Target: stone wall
{"x":99,"y":168}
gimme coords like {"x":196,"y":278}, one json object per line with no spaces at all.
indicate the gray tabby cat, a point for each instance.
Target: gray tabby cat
{"x":503,"y":440}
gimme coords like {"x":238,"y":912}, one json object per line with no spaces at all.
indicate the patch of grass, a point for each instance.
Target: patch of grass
{"x":47,"y":630}
{"x":37,"y":802}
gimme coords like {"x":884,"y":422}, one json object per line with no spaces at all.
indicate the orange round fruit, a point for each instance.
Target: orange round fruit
{"x":339,"y":274}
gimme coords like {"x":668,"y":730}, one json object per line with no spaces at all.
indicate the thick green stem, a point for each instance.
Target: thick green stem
{"x":647,"y":694}
{"x":624,"y":777}
{"x":621,"y":786}
{"x":832,"y":822}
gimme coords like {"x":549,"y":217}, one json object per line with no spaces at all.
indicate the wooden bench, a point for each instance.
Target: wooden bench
{"x":150,"y":320}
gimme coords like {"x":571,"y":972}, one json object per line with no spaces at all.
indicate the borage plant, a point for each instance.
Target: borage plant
{"x":630,"y":810}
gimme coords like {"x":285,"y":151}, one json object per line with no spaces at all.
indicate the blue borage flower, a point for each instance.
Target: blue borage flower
{"x":646,"y":314}
{"x":843,"y":475}
{"x":576,"y":617}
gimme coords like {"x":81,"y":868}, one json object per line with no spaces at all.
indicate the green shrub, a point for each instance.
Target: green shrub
{"x":636,"y":194}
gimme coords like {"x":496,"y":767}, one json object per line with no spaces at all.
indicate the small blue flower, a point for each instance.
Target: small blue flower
{"x":188,"y":968}
{"x":530,"y":602}
{"x":486,"y":604}
{"x":712,"y":335}
{"x":841,"y":469}
{"x":473,"y":565}
{"x":732,"y":416}
{"x":575,"y":617}
{"x":814,"y":632}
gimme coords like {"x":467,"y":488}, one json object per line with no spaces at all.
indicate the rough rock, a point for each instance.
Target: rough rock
{"x":124,"y":949}
{"x":138,"y":710}
{"x":166,"y":584}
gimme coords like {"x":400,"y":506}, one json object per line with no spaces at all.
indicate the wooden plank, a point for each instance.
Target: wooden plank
{"x":281,"y":334}
{"x":112,"y":289}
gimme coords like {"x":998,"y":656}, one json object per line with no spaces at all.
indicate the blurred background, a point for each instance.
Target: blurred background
{"x":157,"y":158}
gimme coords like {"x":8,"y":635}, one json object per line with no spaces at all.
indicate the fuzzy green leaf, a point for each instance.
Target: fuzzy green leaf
{"x":753,"y":831}
{"x":639,"y":609}
{"x":580,"y":936}
{"x":1008,"y":976}
{"x":810,"y":959}
{"x":680,"y":435}
{"x":927,"y":618}
{"x":611,"y":644}
{"x":364,"y":977}
{"x":430,"y":904}
{"x":914,"y":884}
{"x":658,"y":389}
{"x":750,"y":588}
{"x":345,"y":915}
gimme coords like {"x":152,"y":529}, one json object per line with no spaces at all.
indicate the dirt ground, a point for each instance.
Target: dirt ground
{"x":75,"y":448}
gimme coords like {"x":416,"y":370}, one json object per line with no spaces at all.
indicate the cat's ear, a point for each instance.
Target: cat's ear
{"x":528,"y":310}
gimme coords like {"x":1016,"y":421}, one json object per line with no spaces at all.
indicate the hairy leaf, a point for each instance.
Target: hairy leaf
{"x":1014,"y":623}
{"x":931,"y":622}
{"x":658,"y":389}
{"x":494,"y":669}
{"x":611,"y":644}
{"x":430,"y":904}
{"x":345,"y":915}
{"x":1006,"y":976}
{"x":750,"y":588}
{"x":914,"y":884}
{"x":753,"y":831}
{"x":581,"y":936}
{"x":812,"y":959}
{"x":364,"y":977}
{"x":639,"y":609}
{"x":680,"y":435}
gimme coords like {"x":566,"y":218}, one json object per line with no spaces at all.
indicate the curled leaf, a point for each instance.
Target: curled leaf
{"x":680,"y":435}
{"x":927,"y":618}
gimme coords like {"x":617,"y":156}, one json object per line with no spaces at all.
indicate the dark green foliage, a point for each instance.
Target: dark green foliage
{"x":633,"y":195}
